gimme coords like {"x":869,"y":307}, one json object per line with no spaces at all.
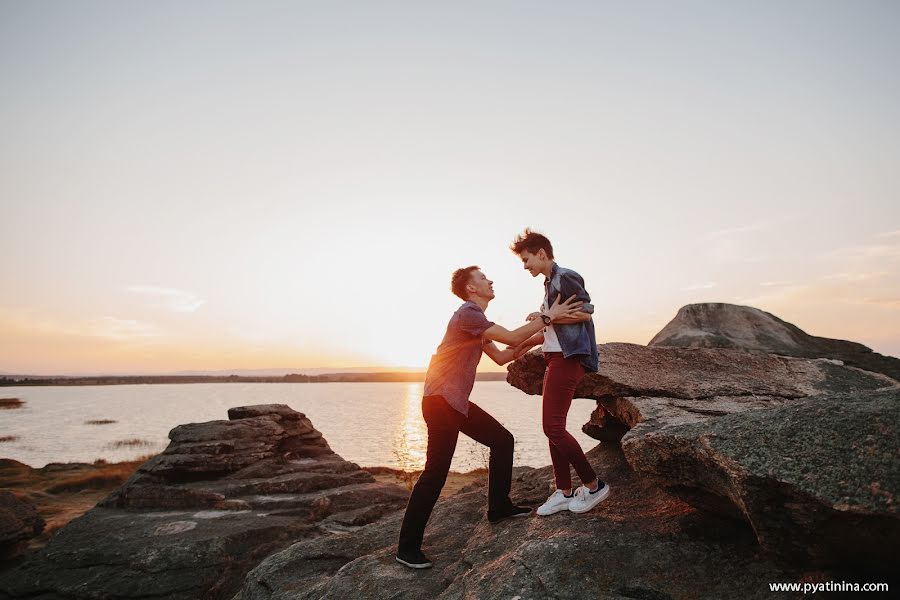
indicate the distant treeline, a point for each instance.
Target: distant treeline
{"x":292,"y":378}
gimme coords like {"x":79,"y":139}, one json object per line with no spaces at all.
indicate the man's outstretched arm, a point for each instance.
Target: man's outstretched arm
{"x":501,"y":357}
{"x":535,"y":340}
{"x":498,"y":333}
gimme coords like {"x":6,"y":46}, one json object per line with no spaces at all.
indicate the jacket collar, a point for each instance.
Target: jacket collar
{"x":553,"y":271}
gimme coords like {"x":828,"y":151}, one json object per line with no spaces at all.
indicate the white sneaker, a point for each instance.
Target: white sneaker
{"x":555,"y":503}
{"x":584,"y":500}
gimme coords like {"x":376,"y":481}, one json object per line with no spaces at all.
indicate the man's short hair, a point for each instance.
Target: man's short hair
{"x":460,"y":280}
{"x":532,"y":241}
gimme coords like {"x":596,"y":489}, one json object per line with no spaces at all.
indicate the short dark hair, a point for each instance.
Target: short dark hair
{"x":532,"y":241}
{"x":460,"y":280}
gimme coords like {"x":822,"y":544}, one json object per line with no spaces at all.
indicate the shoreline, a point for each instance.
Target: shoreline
{"x":386,"y":377}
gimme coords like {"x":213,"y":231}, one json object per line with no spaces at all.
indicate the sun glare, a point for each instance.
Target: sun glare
{"x":410,"y":437}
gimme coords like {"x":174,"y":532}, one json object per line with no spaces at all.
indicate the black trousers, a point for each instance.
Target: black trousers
{"x":444,"y":425}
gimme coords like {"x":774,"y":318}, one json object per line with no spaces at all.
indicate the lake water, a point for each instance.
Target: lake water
{"x":372,"y":424}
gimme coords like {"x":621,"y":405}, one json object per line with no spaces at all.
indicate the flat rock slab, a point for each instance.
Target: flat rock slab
{"x":700,"y":374}
{"x":113,"y":553}
{"x":659,"y":386}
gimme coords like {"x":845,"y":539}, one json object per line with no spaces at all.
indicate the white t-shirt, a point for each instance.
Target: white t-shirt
{"x":551,"y":342}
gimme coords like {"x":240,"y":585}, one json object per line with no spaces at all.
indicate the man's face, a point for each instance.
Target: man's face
{"x":534,"y":263}
{"x":484,"y":287}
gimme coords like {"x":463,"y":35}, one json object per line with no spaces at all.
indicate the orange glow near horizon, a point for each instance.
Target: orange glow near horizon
{"x":303,"y":207}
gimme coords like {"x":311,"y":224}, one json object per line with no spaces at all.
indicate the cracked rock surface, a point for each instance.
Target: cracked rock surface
{"x":817,"y":479}
{"x":192,"y":521}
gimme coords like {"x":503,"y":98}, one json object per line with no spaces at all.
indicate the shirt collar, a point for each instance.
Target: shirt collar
{"x":473,"y":303}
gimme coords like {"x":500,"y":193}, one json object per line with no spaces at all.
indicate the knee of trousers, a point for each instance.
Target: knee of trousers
{"x":434,"y":474}
{"x":555,"y":434}
{"x":504,"y":443}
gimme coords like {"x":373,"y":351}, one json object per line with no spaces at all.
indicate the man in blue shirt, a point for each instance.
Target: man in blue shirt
{"x":448,"y":411}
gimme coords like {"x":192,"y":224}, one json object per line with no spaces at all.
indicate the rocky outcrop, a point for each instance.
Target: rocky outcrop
{"x":192,"y":521}
{"x":19,"y":522}
{"x":777,"y":420}
{"x":718,"y":325}
{"x":639,"y":543}
{"x":818,"y":479}
{"x":658,"y":386}
{"x":261,"y":449}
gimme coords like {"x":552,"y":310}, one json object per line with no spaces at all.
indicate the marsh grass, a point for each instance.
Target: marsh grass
{"x":100,"y":422}
{"x":11,"y":403}
{"x":66,"y":491}
{"x":132,"y":443}
{"x":106,"y":475}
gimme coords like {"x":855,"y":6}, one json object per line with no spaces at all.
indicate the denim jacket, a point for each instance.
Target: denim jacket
{"x":575,"y":339}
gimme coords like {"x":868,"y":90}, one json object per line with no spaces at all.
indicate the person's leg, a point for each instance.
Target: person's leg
{"x":484,"y":429}
{"x":550,"y":418}
{"x":560,"y":380}
{"x":443,"y":424}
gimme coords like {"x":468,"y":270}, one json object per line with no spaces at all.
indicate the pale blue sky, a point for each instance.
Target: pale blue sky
{"x":267,"y":184}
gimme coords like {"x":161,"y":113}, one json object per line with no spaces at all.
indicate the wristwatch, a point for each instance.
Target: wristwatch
{"x":545,"y":319}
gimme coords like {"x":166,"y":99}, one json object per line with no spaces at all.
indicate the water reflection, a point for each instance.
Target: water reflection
{"x":372,"y":424}
{"x":411,"y":435}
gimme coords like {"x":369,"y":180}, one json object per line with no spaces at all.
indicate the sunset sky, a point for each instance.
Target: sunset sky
{"x":241,"y":185}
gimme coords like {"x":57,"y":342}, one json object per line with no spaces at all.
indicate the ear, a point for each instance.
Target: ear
{"x":542,"y":254}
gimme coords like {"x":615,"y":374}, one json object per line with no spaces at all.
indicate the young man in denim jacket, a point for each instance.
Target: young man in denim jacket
{"x":570,"y":349}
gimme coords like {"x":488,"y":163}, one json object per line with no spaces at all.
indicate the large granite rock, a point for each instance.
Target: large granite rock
{"x":658,"y":386}
{"x":639,"y":544}
{"x":718,"y":325}
{"x":818,"y":479}
{"x":191,"y":522}
{"x":673,"y":403}
{"x":19,"y":522}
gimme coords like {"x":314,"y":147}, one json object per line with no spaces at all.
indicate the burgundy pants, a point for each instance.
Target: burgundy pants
{"x":560,"y":380}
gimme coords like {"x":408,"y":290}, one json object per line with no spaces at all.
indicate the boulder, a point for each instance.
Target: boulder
{"x":718,"y":325}
{"x":779,"y":413}
{"x":818,"y":479}
{"x":19,"y":522}
{"x":192,"y":521}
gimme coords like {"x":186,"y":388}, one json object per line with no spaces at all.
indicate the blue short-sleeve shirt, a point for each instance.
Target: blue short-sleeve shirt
{"x":451,"y":372}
